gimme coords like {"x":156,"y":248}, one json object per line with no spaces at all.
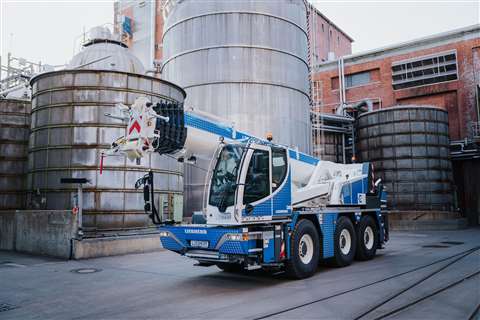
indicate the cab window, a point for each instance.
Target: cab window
{"x":279,"y":167}
{"x":257,"y":181}
{"x":223,"y":185}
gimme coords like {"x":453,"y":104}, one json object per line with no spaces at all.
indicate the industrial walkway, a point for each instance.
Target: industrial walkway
{"x":421,"y":275}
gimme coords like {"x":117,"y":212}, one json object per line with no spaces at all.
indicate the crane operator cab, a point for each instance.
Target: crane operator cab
{"x":246,"y":184}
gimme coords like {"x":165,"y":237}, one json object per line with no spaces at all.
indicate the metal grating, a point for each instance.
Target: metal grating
{"x":85,"y":270}
{"x":7,"y":307}
{"x":424,"y":70}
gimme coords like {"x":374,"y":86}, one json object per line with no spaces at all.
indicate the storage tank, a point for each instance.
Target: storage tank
{"x":244,"y":61}
{"x":14,"y":132}
{"x":409,"y":148}
{"x":70,"y":130}
{"x":328,"y":146}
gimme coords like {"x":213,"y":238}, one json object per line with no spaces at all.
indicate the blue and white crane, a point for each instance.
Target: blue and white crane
{"x":265,"y":205}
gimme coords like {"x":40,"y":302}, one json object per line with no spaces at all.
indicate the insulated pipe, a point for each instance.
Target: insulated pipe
{"x":368,"y":103}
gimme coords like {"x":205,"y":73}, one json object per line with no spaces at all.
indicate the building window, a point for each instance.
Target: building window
{"x":338,"y":39}
{"x":357,"y":79}
{"x":425,"y":70}
{"x":323,"y":28}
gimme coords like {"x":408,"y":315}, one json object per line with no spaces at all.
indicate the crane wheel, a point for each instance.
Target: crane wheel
{"x":367,"y":235}
{"x":345,"y":243}
{"x":304,"y":251}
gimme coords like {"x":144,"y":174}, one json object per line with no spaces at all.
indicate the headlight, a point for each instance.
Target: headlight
{"x":234,"y":237}
{"x":163,"y":233}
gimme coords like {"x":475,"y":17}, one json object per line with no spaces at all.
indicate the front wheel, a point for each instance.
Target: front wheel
{"x":345,"y":243}
{"x":305,"y":251}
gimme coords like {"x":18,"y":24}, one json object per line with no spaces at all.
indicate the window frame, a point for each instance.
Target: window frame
{"x":285,"y":172}
{"x":269,"y":176}
{"x":351,"y":77}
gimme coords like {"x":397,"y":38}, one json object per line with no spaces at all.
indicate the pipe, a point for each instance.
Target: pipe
{"x":368,"y":103}
{"x":152,"y":33}
{"x":17,"y":87}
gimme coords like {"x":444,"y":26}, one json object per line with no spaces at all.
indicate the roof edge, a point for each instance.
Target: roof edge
{"x":317,"y":11}
{"x":451,"y":34}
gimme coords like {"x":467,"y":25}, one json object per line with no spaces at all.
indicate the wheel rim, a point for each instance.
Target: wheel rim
{"x":345,"y":242}
{"x":368,"y":237}
{"x":305,"y":248}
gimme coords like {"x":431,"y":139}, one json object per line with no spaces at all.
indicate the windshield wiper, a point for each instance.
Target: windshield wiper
{"x":227,"y":191}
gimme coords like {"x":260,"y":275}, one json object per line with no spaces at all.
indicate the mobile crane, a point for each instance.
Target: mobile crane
{"x":265,"y":205}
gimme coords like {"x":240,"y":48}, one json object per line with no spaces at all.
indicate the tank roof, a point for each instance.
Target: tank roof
{"x":103,"y":51}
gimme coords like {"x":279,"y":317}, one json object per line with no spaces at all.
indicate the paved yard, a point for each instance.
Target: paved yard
{"x":438,"y":266}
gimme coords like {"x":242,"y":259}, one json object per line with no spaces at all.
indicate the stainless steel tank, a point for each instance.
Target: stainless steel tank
{"x":409,"y":148}
{"x":245,"y":61}
{"x":14,"y":132}
{"x":69,"y":132}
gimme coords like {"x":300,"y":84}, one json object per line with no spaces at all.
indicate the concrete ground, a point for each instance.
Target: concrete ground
{"x":163,"y":285}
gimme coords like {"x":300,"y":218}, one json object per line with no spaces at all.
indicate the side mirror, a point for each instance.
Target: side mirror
{"x":249,"y":208}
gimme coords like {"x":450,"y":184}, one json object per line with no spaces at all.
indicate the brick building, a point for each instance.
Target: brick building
{"x":327,"y":40}
{"x":442,"y":70}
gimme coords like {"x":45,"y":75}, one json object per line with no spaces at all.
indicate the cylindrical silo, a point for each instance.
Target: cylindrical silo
{"x":244,"y":61}
{"x":69,"y":131}
{"x":14,"y":132}
{"x":409,"y":148}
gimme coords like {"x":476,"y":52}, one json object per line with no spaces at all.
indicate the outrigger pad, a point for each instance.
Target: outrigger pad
{"x":172,"y":133}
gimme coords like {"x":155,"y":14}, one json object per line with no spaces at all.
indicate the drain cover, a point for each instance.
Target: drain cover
{"x":7,"y":307}
{"x":85,"y":270}
{"x":453,"y":243}
{"x":435,"y":246}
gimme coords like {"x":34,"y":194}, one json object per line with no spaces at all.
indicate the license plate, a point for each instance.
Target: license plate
{"x":199,"y":244}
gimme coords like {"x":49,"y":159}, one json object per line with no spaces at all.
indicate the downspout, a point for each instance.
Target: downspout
{"x":341,"y":87}
{"x":152,"y":33}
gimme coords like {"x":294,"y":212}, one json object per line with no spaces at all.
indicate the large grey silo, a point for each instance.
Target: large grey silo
{"x":14,"y":132}
{"x":245,"y":61}
{"x":409,"y":148}
{"x":70,"y":130}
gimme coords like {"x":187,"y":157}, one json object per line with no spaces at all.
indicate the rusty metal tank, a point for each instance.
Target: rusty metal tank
{"x":14,"y":132}
{"x":69,"y":132}
{"x":409,"y":148}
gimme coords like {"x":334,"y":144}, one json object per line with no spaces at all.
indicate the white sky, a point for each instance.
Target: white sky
{"x":373,"y":24}
{"x":45,"y":30}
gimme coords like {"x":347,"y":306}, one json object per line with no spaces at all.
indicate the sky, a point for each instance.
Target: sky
{"x":46,"y":31}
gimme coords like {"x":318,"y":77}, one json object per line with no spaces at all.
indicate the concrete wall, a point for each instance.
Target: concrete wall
{"x":55,"y":233}
{"x":39,"y":232}
{"x":46,"y":232}
{"x":111,"y":246}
